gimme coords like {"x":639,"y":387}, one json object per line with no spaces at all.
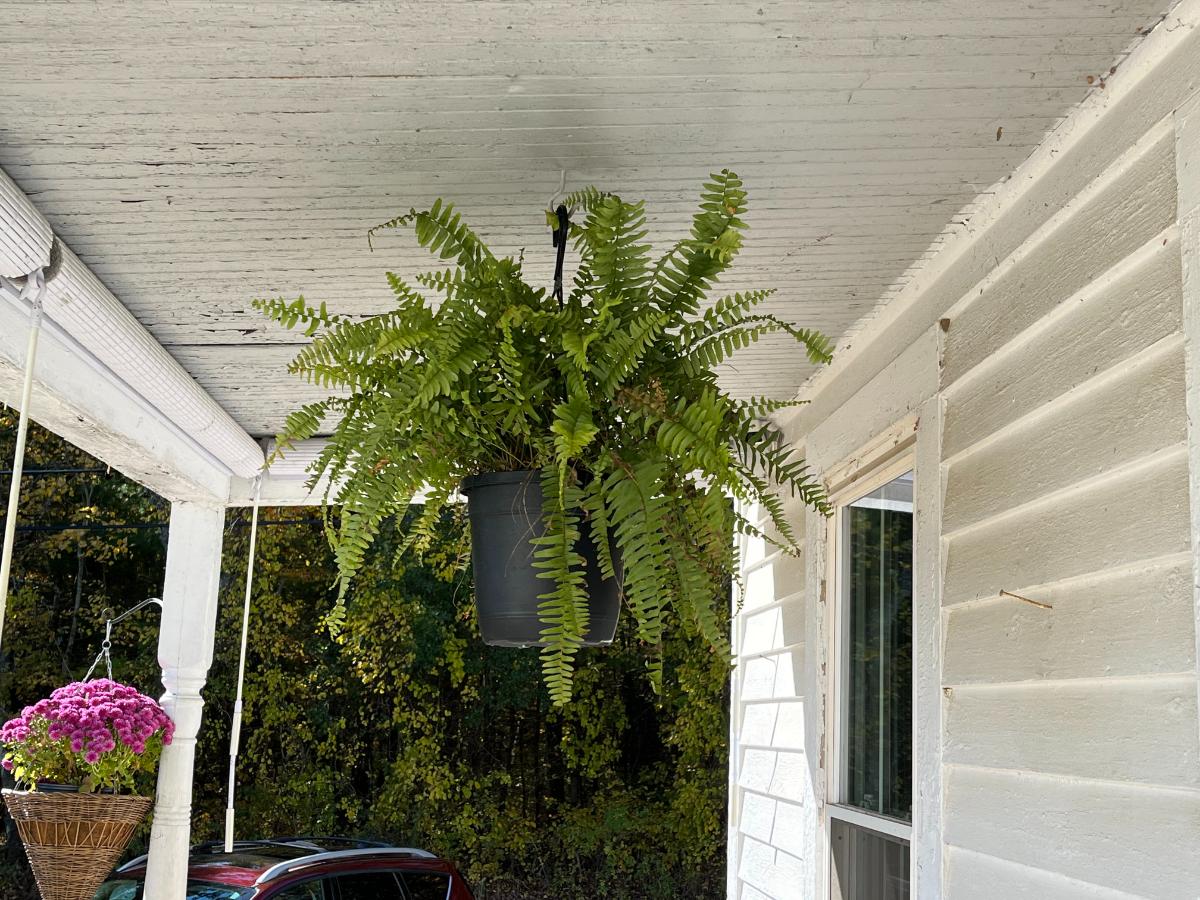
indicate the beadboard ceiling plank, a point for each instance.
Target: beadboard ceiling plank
{"x":200,"y":154}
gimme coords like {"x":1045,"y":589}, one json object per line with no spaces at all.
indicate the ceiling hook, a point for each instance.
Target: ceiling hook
{"x":562,"y":186}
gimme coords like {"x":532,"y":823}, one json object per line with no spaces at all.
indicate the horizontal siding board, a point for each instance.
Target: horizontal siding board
{"x":759,"y":585}
{"x":772,"y":871}
{"x":758,"y":816}
{"x":1136,"y":731}
{"x":1085,"y":433}
{"x":978,"y":876}
{"x":1125,"y":623}
{"x":1137,"y":515}
{"x":777,"y":823}
{"x":775,"y":677}
{"x":777,"y":773}
{"x":1137,"y":204}
{"x":779,"y":724}
{"x":773,"y":629}
{"x":324,"y":125}
{"x":437,"y":96}
{"x":1104,"y":327}
{"x":1122,"y":837}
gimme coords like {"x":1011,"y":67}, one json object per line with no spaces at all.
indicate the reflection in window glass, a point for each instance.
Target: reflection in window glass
{"x":305,"y":890}
{"x":878,"y":646}
{"x":427,"y":885}
{"x":369,"y":886}
{"x":119,"y":890}
{"x":868,"y":865}
{"x":132,"y":889}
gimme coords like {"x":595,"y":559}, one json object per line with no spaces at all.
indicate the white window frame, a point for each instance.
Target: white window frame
{"x":895,"y":457}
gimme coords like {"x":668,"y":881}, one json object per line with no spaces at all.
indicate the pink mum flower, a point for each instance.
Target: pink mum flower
{"x":92,"y":718}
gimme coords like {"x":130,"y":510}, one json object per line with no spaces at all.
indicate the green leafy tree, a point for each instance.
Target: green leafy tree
{"x":611,"y":392}
{"x":403,"y":727}
{"x":406,"y":727}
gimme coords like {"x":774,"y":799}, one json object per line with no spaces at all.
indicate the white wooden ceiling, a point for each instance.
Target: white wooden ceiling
{"x":197,"y":155}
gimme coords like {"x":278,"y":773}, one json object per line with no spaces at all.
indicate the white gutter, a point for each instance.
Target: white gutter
{"x":79,"y":303}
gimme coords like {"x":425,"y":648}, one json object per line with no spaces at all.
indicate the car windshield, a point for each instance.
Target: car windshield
{"x":132,"y":889}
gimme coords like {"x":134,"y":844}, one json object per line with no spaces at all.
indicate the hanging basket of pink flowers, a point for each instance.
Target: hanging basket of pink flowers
{"x":73,"y":754}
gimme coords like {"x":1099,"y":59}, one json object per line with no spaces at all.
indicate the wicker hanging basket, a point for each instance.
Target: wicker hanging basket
{"x":74,"y":840}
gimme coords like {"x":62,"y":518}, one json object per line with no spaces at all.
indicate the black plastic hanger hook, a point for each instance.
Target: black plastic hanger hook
{"x":560,"y":241}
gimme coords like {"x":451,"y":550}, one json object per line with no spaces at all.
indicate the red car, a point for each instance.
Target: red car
{"x":304,"y":869}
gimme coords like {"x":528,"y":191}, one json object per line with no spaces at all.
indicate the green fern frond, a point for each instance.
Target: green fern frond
{"x":709,"y":352}
{"x":759,"y":407}
{"x":611,"y":240}
{"x":585,"y":198}
{"x":563,"y":609}
{"x":300,"y":425}
{"x":725,"y":313}
{"x":441,"y":231}
{"x":622,"y":351}
{"x":613,"y":396}
{"x":689,"y":270}
{"x":295,"y":313}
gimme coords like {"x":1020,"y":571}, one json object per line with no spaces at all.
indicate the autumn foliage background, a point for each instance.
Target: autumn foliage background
{"x":405,"y":727}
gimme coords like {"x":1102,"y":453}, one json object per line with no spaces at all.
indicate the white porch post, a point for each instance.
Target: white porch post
{"x":185,"y":651}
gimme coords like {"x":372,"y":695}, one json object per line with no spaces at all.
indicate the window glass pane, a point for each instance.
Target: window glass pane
{"x":868,"y":865}
{"x":132,"y":889}
{"x":305,"y":890}
{"x":427,"y":885}
{"x":877,"y":714}
{"x":119,"y":890}
{"x":369,"y":886}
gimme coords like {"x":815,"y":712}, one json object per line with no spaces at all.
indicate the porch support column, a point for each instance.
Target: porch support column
{"x":185,"y":652}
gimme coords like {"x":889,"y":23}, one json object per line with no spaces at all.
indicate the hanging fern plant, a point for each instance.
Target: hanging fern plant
{"x":610,"y":393}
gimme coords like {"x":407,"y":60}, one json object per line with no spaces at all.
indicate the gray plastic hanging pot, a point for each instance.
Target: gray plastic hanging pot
{"x":505,"y":509}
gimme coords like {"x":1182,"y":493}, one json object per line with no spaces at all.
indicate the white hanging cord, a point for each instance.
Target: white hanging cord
{"x":235,"y":733}
{"x":33,"y":291}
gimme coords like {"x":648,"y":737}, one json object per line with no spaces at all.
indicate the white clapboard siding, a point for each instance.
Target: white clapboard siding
{"x":1122,"y":730}
{"x":1118,"y":836}
{"x":766,"y":868}
{"x":770,"y":802}
{"x":773,"y":676}
{"x":1071,"y":736}
{"x":1121,"y":415}
{"x":773,"y":821}
{"x":1130,"y":621}
{"x":1134,"y":514}
{"x":1041,"y":352}
{"x":1091,"y":335}
{"x":982,"y":877}
{"x":1123,"y":209}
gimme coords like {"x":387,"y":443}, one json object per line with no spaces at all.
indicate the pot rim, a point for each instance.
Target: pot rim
{"x":107,"y":795}
{"x":494,"y":479}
